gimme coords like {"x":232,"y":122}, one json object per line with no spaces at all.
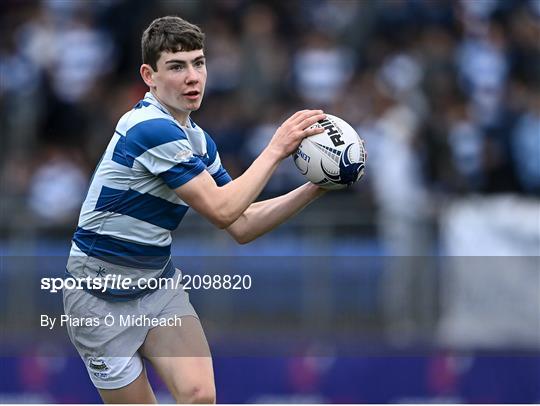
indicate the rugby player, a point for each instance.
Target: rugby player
{"x":158,"y":163}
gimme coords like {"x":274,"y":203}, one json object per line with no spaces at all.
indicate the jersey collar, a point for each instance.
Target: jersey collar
{"x":195,"y":134}
{"x":150,"y":98}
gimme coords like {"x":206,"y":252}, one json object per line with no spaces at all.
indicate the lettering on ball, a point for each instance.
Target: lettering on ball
{"x":333,"y":132}
{"x":302,"y":155}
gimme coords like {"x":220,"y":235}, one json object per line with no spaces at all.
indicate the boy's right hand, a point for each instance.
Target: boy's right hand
{"x":293,"y":130}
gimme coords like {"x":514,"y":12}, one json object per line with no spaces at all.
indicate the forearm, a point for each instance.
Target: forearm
{"x":224,"y":205}
{"x":244,"y":190}
{"x":264,"y":216}
{"x":238,"y":195}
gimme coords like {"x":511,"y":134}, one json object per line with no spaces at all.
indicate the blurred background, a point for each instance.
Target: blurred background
{"x":434,"y":254}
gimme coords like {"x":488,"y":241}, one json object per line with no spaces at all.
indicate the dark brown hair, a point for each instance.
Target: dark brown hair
{"x":171,"y":34}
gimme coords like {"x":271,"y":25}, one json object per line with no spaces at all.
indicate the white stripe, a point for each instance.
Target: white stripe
{"x":122,"y":125}
{"x":111,"y":146}
{"x":162,"y":158}
{"x":128,"y":228}
{"x":113,"y":174}
{"x":196,"y":139}
{"x":134,"y":117}
{"x":156,"y":187}
{"x":145,"y":183}
{"x":90,"y":219}
{"x":214,"y":167}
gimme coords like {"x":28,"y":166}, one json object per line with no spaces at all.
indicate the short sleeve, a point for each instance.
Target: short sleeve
{"x":214,"y":166}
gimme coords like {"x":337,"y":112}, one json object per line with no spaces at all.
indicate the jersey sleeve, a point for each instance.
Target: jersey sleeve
{"x":214,"y":167}
{"x":162,"y":148}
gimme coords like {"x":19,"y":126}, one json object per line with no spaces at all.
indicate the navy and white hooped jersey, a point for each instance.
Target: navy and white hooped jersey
{"x":131,"y":208}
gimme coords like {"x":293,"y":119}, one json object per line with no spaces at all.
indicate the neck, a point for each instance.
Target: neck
{"x":181,"y":116}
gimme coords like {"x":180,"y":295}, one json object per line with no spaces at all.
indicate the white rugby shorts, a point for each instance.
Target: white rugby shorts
{"x":110,"y":351}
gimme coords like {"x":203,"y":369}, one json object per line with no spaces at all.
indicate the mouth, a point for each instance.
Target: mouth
{"x":192,"y":95}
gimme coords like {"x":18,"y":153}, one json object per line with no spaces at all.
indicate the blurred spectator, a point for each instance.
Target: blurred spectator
{"x":526,"y":145}
{"x":478,"y":9}
{"x":466,"y":142}
{"x":483,"y":66}
{"x":57,"y":187}
{"x":20,"y":85}
{"x":402,"y":197}
{"x":322,"y":68}
{"x":36,"y":38}
{"x":344,"y":16}
{"x":398,"y":183}
{"x":264,"y":59}
{"x":84,"y":54}
{"x":224,"y":59}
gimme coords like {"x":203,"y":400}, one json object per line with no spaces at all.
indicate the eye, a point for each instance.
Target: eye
{"x":199,"y":63}
{"x":177,"y":67}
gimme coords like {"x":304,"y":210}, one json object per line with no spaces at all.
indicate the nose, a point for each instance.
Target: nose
{"x":192,"y":76}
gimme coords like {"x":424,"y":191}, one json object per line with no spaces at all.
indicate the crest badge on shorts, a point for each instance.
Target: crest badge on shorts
{"x":98,"y":367}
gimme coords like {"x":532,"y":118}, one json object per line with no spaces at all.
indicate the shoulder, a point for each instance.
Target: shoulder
{"x":141,"y":134}
{"x":147,"y":125}
{"x":147,"y":128}
{"x":154,"y":131}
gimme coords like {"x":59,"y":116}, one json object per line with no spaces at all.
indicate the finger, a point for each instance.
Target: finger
{"x":309,"y":121}
{"x":308,"y":132}
{"x":296,"y":115}
{"x":306,"y":114}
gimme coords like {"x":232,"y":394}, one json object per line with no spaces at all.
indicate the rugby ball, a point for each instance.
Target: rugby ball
{"x":333,"y":159}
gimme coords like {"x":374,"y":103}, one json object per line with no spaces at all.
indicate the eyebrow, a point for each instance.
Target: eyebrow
{"x":184,"y":61}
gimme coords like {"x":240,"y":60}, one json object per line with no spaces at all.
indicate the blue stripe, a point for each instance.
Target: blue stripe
{"x":142,"y":206}
{"x":141,"y":104}
{"x":144,"y":136}
{"x":182,"y":172}
{"x":119,"y":155}
{"x":121,"y":252}
{"x":221,"y":177}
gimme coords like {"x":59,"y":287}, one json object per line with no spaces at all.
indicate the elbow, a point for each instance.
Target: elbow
{"x":222,"y":223}
{"x":242,"y":239}
{"x":222,"y":219}
{"x":240,"y":231}
{"x":240,"y":234}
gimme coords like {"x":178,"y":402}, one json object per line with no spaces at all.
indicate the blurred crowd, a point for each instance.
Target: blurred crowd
{"x":446,"y":93}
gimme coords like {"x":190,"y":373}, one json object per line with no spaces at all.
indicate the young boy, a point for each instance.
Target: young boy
{"x":159,"y":163}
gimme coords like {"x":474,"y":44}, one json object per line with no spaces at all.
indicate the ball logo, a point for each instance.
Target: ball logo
{"x":348,"y":170}
{"x":332,"y":131}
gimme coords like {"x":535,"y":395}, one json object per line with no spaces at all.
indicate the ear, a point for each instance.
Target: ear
{"x":147,"y":74}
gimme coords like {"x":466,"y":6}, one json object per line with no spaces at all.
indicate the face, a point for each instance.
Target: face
{"x":178,"y":82}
